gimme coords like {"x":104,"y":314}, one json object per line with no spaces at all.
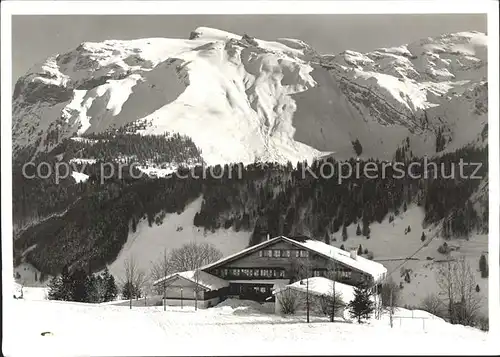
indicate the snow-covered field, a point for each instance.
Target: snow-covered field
{"x":232,"y":328}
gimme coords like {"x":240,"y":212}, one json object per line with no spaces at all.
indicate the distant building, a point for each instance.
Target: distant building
{"x":254,"y":273}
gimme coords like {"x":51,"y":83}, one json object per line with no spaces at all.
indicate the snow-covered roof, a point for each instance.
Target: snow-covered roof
{"x":240,"y":253}
{"x":208,"y":281}
{"x":321,"y":286}
{"x":376,"y":270}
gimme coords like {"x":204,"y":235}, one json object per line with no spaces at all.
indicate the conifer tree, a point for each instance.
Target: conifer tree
{"x":358,"y":230}
{"x":344,"y":233}
{"x":327,"y":238}
{"x":79,"y":284}
{"x":422,"y":238}
{"x":360,"y":250}
{"x":111,"y":290}
{"x":483,"y":266}
{"x":55,"y":288}
{"x":366,"y":228}
{"x":66,"y":292}
{"x":92,"y":283}
{"x":362,"y":306}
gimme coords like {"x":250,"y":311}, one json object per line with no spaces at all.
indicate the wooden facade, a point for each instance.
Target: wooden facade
{"x":252,"y":275}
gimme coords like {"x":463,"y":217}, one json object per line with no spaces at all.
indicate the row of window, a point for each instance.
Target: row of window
{"x":250,"y":273}
{"x":237,"y":289}
{"x":284,"y":253}
{"x":341,"y":273}
{"x":261,"y":289}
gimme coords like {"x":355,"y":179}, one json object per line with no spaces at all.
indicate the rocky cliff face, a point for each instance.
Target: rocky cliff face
{"x":260,"y":100}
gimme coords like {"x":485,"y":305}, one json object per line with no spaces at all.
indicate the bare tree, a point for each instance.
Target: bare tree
{"x":147,"y":289}
{"x":161,"y":269}
{"x":196,"y":288}
{"x":433,"y":304}
{"x":192,"y":256}
{"x":456,"y":280}
{"x":446,"y":281}
{"x":134,"y":278}
{"x":301,"y":269}
{"x":22,"y":283}
{"x":390,"y":297}
{"x":289,"y":301}
{"x":332,"y":302}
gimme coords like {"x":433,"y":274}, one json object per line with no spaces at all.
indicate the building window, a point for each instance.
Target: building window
{"x":256,"y":272}
{"x":266,"y":273}
{"x":277,"y":253}
{"x":304,"y":254}
{"x":286,"y":253}
{"x":263,"y":290}
{"x":281,"y":273}
{"x":261,"y":253}
{"x":297,"y":253}
{"x":235,"y":272}
{"x":317,"y":272}
{"x":223,"y":272}
{"x":268,"y":253}
{"x":344,"y":273}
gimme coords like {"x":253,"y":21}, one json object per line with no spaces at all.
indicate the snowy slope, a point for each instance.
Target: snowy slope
{"x":391,"y":246}
{"x":147,"y":244}
{"x":114,"y":330}
{"x":258,"y":100}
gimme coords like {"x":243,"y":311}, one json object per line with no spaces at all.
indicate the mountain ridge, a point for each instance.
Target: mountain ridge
{"x":264,"y":100}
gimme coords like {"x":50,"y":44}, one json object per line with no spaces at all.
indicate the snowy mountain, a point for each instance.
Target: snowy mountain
{"x":259,"y":100}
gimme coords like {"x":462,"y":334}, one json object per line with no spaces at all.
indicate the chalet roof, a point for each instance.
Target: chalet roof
{"x":376,"y":270}
{"x":205,"y":280}
{"x":321,"y":286}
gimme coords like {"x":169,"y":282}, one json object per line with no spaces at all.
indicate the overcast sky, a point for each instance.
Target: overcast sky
{"x":37,"y":37}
